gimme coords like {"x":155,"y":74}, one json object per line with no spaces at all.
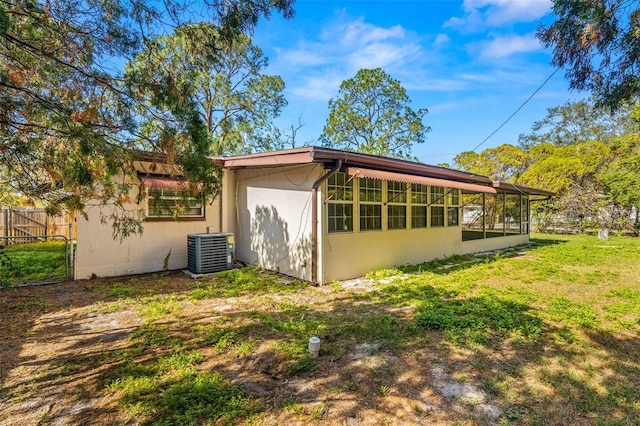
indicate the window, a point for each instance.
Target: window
{"x":524,"y":215}
{"x":418,"y":205}
{"x":370,"y":204}
{"x":437,"y":206}
{"x":340,"y":217}
{"x":494,"y":215}
{"x":453,"y":208}
{"x":173,"y":203}
{"x":472,"y":216}
{"x":512,"y":212}
{"x":396,"y":208}
{"x":340,"y":203}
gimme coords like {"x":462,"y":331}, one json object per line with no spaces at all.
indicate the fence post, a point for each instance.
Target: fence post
{"x":72,"y":266}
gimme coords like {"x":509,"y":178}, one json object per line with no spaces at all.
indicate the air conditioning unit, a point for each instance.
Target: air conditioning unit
{"x":207,"y":253}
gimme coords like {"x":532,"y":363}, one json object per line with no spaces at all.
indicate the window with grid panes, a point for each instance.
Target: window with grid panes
{"x":165,"y":203}
{"x":418,"y":205}
{"x":396,"y":205}
{"x":453,"y":207}
{"x":437,"y":206}
{"x":340,"y":203}
{"x":370,"y":204}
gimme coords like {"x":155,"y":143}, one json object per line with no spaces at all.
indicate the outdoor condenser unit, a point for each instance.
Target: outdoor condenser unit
{"x":207,"y":253}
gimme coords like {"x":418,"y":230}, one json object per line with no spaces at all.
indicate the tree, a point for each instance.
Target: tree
{"x":371,"y":115}
{"x":235,"y":101}
{"x":67,"y":121}
{"x":579,"y":121}
{"x":598,"y":43}
{"x":505,"y":162}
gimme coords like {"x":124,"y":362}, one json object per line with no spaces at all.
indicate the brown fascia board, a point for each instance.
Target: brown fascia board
{"x":521,"y":189}
{"x":269,"y":159}
{"x":312,"y":154}
{"x":148,"y":156}
{"x":395,"y":165}
{"x":159,"y":157}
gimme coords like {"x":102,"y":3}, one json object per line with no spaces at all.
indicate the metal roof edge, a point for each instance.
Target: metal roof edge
{"x":521,"y":189}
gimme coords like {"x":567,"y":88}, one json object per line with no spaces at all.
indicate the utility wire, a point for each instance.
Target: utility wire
{"x":518,"y":110}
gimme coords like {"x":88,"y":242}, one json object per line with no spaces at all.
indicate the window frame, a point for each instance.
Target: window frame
{"x":396,"y":202}
{"x":336,"y":184}
{"x":421,"y":205}
{"x":453,"y":205}
{"x":173,"y":195}
{"x":369,"y":203}
{"x":437,"y":203}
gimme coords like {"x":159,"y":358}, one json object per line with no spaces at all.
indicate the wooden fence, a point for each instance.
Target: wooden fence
{"x":34,"y":222}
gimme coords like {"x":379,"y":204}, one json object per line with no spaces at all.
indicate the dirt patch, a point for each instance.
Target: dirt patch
{"x":62,"y":344}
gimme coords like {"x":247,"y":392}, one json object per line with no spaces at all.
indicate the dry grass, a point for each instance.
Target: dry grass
{"x":544,"y":334}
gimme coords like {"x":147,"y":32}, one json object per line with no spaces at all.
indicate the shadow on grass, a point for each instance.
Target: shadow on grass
{"x":251,"y":358}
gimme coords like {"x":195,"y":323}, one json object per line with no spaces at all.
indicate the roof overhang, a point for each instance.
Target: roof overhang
{"x":521,"y":189}
{"x":423,"y":180}
{"x":311,"y":154}
{"x":163,"y":182}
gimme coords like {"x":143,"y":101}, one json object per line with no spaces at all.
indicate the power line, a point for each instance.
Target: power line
{"x":518,"y":110}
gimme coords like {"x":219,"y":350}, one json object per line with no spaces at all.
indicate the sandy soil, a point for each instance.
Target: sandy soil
{"x":58,"y":345}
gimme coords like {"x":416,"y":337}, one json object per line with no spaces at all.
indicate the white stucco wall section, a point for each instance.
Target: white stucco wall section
{"x":488,"y":244}
{"x":273,"y":218}
{"x":98,"y":253}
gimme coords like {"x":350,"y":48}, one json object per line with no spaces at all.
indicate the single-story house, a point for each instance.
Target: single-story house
{"x":318,"y":214}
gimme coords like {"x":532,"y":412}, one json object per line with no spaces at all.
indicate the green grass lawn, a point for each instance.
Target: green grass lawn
{"x":549,"y":332}
{"x":35,"y":262}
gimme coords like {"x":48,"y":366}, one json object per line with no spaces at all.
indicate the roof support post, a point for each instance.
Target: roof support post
{"x":314,"y":219}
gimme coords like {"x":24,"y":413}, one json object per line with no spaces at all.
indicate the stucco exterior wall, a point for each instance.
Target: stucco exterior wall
{"x":273,"y":218}
{"x":98,"y":253}
{"x":351,"y":255}
{"x":488,"y":244}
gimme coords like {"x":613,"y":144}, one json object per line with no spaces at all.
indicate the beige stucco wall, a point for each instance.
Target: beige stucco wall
{"x":98,"y":253}
{"x":273,"y":218}
{"x":488,"y":244}
{"x":351,"y":255}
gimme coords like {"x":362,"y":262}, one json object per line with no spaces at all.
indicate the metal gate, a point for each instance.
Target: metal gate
{"x":34,"y":222}
{"x":37,"y":259}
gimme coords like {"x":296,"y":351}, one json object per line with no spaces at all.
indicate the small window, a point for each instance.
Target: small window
{"x":437,"y":206}
{"x":340,"y":203}
{"x":340,"y":217}
{"x":453,"y":216}
{"x":370,"y":204}
{"x":453,"y":207}
{"x":340,"y":187}
{"x":418,"y":216}
{"x":437,"y":216}
{"x":370,"y":190}
{"x":396,"y":205}
{"x":370,"y":217}
{"x":419,"y":194}
{"x":396,"y":192}
{"x":172,"y":203}
{"x":396,"y":217}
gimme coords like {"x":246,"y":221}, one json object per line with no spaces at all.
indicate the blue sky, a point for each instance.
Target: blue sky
{"x":471,"y":63}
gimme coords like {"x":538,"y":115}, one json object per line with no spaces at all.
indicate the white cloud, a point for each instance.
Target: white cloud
{"x":302,"y":56}
{"x":503,"y":46}
{"x":381,"y":55}
{"x":440,"y":40}
{"x":359,"y":32}
{"x":317,"y":65}
{"x":482,"y":14}
{"x":321,"y":88}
